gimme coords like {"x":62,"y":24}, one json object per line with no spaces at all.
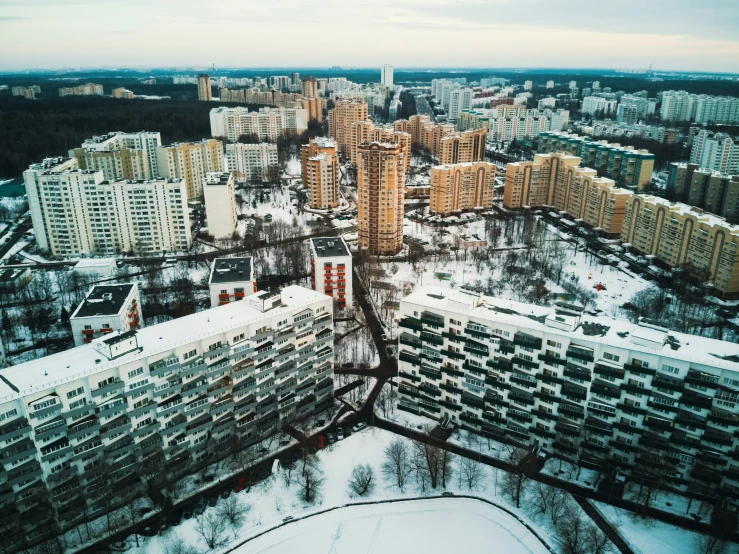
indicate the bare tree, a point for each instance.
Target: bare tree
{"x":363,"y":480}
{"x":132,"y":507}
{"x":397,"y":464}
{"x":708,"y":544}
{"x":578,"y":536}
{"x":515,"y":481}
{"x":546,"y":499}
{"x":470,"y":473}
{"x":211,"y":527}
{"x":310,"y":481}
{"x":176,"y":545}
{"x":233,"y":511}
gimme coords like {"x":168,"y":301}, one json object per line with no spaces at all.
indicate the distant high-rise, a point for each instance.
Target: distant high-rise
{"x":205,"y":93}
{"x":528,"y":85}
{"x":191,"y":161}
{"x":310,"y":87}
{"x":550,"y":84}
{"x":387,"y":75}
{"x":381,"y":193}
{"x":295,"y":78}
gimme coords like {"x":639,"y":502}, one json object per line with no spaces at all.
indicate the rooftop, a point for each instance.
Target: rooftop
{"x":324,"y":142}
{"x":687,"y":209}
{"x":329,"y":247}
{"x":103,"y":300}
{"x":618,"y":333}
{"x":38,"y":375}
{"x":231,"y":270}
{"x":216,"y":178}
{"x":94,"y":262}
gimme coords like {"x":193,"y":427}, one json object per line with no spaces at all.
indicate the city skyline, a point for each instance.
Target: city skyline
{"x":678,"y":36}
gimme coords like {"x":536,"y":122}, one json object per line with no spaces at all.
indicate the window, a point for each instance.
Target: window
{"x":135,"y":372}
{"x":88,"y":327}
{"x":190,"y":354}
{"x":77,"y":403}
{"x":670,"y":369}
{"x":554,"y":344}
{"x":75,"y":392}
{"x":609,"y":356}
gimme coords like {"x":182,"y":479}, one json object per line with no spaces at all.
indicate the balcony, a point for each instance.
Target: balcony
{"x":609,"y":371}
{"x":529,"y":341}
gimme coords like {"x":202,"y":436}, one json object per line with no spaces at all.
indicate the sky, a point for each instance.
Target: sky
{"x":691,"y":35}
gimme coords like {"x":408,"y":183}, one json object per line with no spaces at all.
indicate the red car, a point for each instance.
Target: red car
{"x":320,"y":441}
{"x":241,"y":485}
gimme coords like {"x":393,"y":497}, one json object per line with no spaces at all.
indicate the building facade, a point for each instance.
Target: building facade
{"x":380,"y":196}
{"x":558,"y":181}
{"x":386,"y":75}
{"x":252,"y":162}
{"x":88,"y":89}
{"x":79,"y":426}
{"x":331,"y":269}
{"x":685,"y":237}
{"x":456,"y":188}
{"x":321,"y":174}
{"x":107,"y":309}
{"x":268,"y":124}
{"x":715,"y":151}
{"x":220,"y":204}
{"x":710,"y":190}
{"x":628,"y":167}
{"x":464,"y":147}
{"x":205,"y":90}
{"x":77,"y":211}
{"x":231,"y":280}
{"x":340,"y":120}
{"x":191,"y":161}
{"x":121,"y":155}
{"x":594,"y":391}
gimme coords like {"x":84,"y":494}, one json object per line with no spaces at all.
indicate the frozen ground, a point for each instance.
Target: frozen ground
{"x":653,"y":537}
{"x":463,"y":525}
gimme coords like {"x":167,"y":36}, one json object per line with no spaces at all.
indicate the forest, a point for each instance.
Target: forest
{"x":33,"y":130}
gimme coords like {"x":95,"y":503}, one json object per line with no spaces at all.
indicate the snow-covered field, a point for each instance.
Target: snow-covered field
{"x":458,"y":524}
{"x":270,"y":501}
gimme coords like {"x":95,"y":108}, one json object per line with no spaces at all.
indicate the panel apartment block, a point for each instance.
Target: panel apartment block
{"x":83,"y":423}
{"x":231,"y":280}
{"x":321,"y":175}
{"x":461,"y":187}
{"x":76,"y":211}
{"x":597,"y":390}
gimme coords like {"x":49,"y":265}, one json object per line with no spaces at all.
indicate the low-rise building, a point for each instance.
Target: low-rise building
{"x":595,"y":391}
{"x":220,"y":204}
{"x":13,"y":281}
{"x":122,"y":92}
{"x":231,"y":280}
{"x":105,"y":309}
{"x":331,"y":269}
{"x":96,"y":268}
{"x":88,"y":89}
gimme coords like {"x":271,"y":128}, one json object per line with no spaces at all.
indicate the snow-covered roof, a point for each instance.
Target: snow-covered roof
{"x":693,"y":348}
{"x":89,"y":263}
{"x":85,"y":360}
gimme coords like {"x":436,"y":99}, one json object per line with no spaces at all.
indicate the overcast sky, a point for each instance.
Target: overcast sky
{"x":700,"y":35}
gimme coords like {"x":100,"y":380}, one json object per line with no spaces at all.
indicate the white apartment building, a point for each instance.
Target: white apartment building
{"x":716,"y":152}
{"x":459,"y":100}
{"x":220,"y":204}
{"x":121,"y":155}
{"x":506,"y":124}
{"x":627,"y":113}
{"x":528,"y":85}
{"x":105,"y":309}
{"x":159,"y":397}
{"x":386,"y":75}
{"x":641,"y":103}
{"x":550,"y":84}
{"x":716,"y":110}
{"x":331,"y":269}
{"x":251,"y":161}
{"x":593,"y":104}
{"x":549,"y":102}
{"x":267,"y":124}
{"x":191,"y":161}
{"x":77,"y":211}
{"x":231,"y":280}
{"x":597,"y":391}
{"x":677,"y":106}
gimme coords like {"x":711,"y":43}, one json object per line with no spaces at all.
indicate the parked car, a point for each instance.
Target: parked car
{"x":286,"y":519}
{"x":321,"y":442}
{"x":340,"y":433}
{"x":118,"y":547}
{"x":447,"y":493}
{"x":212,"y":501}
{"x":383,"y":337}
{"x":241,"y":485}
{"x":390,"y":349}
{"x":359,"y":426}
{"x":225,"y":493}
{"x":331,"y":438}
{"x":200,"y":506}
{"x":187,"y":514}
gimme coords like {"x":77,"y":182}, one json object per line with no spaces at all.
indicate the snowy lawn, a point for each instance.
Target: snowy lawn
{"x":462,"y":525}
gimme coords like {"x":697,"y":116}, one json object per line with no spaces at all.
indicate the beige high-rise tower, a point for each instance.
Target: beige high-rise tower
{"x":191,"y":161}
{"x":205,"y":93}
{"x":310,"y":87}
{"x":381,"y":190}
{"x":460,"y":187}
{"x":340,"y":120}
{"x":321,"y":173}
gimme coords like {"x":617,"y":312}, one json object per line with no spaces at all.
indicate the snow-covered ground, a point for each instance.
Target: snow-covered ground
{"x":270,"y":501}
{"x":460,"y":524}
{"x":651,"y":536}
